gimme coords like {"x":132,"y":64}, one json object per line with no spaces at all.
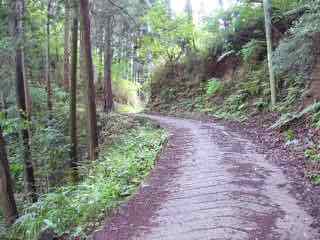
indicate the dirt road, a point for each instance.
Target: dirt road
{"x":210,"y":183}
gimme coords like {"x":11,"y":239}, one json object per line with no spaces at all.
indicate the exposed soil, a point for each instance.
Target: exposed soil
{"x":219,"y":181}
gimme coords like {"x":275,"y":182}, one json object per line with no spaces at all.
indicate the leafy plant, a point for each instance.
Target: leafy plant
{"x":253,"y":50}
{"x":106,"y":182}
{"x":312,"y":154}
{"x":289,"y":135}
{"x":213,"y":87}
{"x":315,"y":178}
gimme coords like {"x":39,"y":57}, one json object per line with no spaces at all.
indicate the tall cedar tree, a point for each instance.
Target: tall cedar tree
{"x":190,"y":41}
{"x":47,"y":69}
{"x":92,"y":112}
{"x":7,"y":201}
{"x":66,"y":65}
{"x":268,"y":26}
{"x":21,"y":99}
{"x":73,"y":93}
{"x":108,"y":99}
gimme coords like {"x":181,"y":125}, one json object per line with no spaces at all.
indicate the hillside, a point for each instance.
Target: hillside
{"x":232,"y":81}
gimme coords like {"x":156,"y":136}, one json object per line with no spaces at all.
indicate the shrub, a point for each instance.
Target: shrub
{"x":72,"y":209}
{"x":253,"y":50}
{"x":213,"y":87}
{"x":289,"y":135}
{"x":291,"y":61}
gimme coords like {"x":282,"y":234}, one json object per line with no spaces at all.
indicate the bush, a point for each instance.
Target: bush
{"x":294,"y":64}
{"x":214,"y":86}
{"x":126,"y":92}
{"x":72,"y":209}
{"x":253,"y":51}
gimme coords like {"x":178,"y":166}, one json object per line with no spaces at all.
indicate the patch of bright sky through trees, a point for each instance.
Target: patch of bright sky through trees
{"x":201,"y":8}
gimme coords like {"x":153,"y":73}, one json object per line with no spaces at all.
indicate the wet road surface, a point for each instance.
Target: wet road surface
{"x":210,"y":184}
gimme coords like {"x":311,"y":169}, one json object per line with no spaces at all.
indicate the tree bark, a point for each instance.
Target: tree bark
{"x":100,"y":73}
{"x":21,"y":100}
{"x":92,"y":112}
{"x":66,"y":65}
{"x":7,"y":201}
{"x":73,"y":92}
{"x":189,"y":41}
{"x":267,"y":14}
{"x":48,"y":80}
{"x":108,"y":96}
{"x":188,"y":8}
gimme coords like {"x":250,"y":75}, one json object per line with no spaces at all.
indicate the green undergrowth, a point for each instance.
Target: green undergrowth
{"x":124,"y":162}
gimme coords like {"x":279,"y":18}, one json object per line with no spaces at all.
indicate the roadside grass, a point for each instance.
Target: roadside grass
{"x":74,"y":210}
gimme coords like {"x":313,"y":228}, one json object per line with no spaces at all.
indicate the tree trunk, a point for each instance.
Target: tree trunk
{"x":21,"y":100}
{"x":66,"y":68}
{"x":48,"y":80}
{"x":73,"y":92}
{"x":108,"y":96}
{"x":267,"y":14}
{"x":100,"y":73}
{"x":92,"y":112}
{"x":189,"y":11}
{"x":7,"y":201}
{"x":168,"y":7}
{"x":189,"y":41}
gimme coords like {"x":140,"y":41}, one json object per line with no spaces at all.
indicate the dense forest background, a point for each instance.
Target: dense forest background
{"x":70,"y":69}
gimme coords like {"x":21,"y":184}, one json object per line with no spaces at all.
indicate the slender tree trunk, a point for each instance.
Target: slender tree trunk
{"x":189,"y":41}
{"x":66,"y":68}
{"x":108,"y":101}
{"x":92,"y":112}
{"x":21,"y":100}
{"x":189,"y":11}
{"x":100,"y":74}
{"x":7,"y":201}
{"x":221,"y":5}
{"x":48,"y":80}
{"x":82,"y":72}
{"x":168,"y":7}
{"x":73,"y":92}
{"x":267,"y":14}
{"x":27,"y":91}
{"x":3,"y":105}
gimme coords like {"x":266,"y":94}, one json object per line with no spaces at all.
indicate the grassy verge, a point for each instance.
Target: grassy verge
{"x":125,"y":160}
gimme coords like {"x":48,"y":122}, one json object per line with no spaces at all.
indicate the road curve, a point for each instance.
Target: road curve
{"x":210,"y":184}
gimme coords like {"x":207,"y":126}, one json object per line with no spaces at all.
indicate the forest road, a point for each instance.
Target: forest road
{"x":210,"y":183}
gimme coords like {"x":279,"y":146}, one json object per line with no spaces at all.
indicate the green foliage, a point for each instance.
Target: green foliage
{"x":282,"y":6}
{"x":126,"y":92}
{"x":261,"y":104}
{"x":253,"y":50}
{"x":315,"y":178}
{"x":169,"y":37}
{"x":293,"y":64}
{"x":289,"y":135}
{"x":168,"y":94}
{"x":316,"y":119}
{"x":244,"y":14}
{"x":287,"y":118}
{"x":117,"y":173}
{"x":225,"y":25}
{"x":312,"y":154}
{"x":234,"y":107}
{"x":214,"y":86}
